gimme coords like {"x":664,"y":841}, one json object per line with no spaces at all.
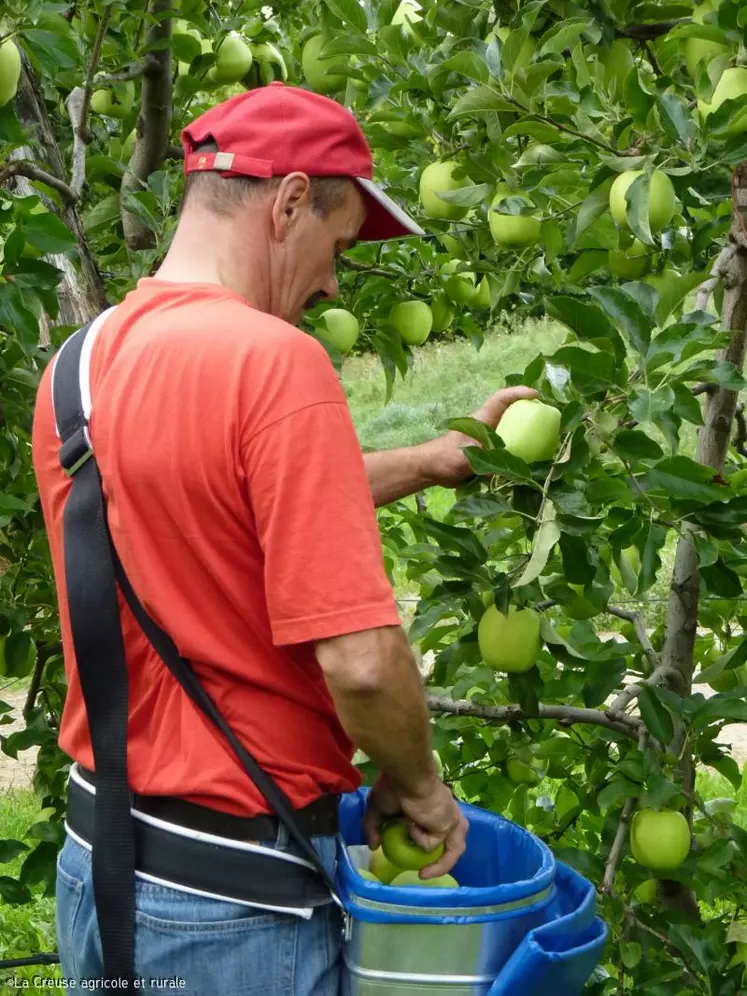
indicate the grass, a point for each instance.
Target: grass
{"x":24,"y":930}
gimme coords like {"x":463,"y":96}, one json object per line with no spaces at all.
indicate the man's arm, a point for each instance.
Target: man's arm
{"x":378,"y":695}
{"x":394,"y":474}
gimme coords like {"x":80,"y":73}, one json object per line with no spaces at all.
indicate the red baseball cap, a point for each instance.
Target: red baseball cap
{"x":278,"y":129}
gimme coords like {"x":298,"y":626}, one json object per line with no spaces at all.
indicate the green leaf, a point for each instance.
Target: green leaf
{"x":587,"y":262}
{"x":676,"y":292}
{"x":468,"y":196}
{"x":676,"y":118}
{"x":626,"y":314}
{"x":545,"y":539}
{"x":351,"y":12}
{"x":456,"y":538}
{"x":55,"y":50}
{"x":499,"y":461}
{"x":630,"y":954}
{"x":682,"y":479}
{"x":721,"y":580}
{"x":592,"y":207}
{"x":479,"y":99}
{"x":655,"y":715}
{"x":591,"y":373}
{"x":637,"y":208}
{"x":632,"y":444}
{"x":10,"y":849}
{"x":587,"y":321}
{"x":474,"y":428}
{"x":566,"y":34}
{"x":721,"y":372}
{"x":729,"y":769}
{"x":18,"y":656}
{"x":617,"y":790}
{"x":468,"y":64}
{"x":48,"y":233}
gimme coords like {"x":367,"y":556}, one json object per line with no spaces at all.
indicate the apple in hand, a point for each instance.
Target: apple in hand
{"x":509,"y":643}
{"x":401,"y":849}
{"x":530,"y":430}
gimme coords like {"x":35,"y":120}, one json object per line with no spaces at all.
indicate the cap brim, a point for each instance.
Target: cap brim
{"x":385,"y":219}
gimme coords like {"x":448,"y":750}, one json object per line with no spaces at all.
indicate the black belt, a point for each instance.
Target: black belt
{"x":319,"y":819}
{"x":239,"y":870}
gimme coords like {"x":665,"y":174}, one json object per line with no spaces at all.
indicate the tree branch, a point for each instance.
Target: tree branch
{"x":561,"y":127}
{"x":640,"y":631}
{"x":631,"y":692}
{"x":740,"y":437}
{"x":717,"y":272}
{"x":153,"y":124}
{"x":511,"y":713}
{"x":81,"y":130}
{"x":22,"y":167}
{"x":708,"y":388}
{"x":175,"y":152}
{"x":610,"y":869}
{"x":76,"y":104}
{"x":649,"y":32}
{"x":44,"y":654}
{"x":149,"y":64}
{"x":372,"y":271}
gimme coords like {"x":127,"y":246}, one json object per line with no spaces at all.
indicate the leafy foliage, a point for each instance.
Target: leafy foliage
{"x":552,"y":106}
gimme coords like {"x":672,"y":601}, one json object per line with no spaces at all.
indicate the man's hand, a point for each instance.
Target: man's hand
{"x":434,"y":818}
{"x":444,"y":459}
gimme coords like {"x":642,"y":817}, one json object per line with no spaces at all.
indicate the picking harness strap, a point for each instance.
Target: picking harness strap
{"x":92,"y":571}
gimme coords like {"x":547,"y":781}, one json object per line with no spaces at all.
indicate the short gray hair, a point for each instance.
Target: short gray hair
{"x":223,"y":195}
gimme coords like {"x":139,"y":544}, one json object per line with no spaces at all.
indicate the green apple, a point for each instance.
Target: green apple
{"x":443,"y":312}
{"x":662,"y":281}
{"x":482,"y":298}
{"x":646,"y":891}
{"x":402,"y":850}
{"x":516,"y":230}
{"x":407,"y":14}
{"x":461,"y":287}
{"x":365,"y":873}
{"x":521,"y":772}
{"x":631,"y":263}
{"x":233,"y":60}
{"x":530,"y":430}
{"x":413,"y":320}
{"x":340,"y":328}
{"x":509,"y":643}
{"x":382,"y":867}
{"x":733,"y":84}
{"x":438,"y":178}
{"x":318,"y":71}
{"x":699,"y":50}
{"x":659,"y":840}
{"x":10,"y":71}
{"x":660,"y":203}
{"x":526,"y":52}
{"x":452,"y":245}
{"x":114,"y":105}
{"x":271,"y":63}
{"x":412,"y":878}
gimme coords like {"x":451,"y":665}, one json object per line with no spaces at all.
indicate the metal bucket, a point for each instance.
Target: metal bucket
{"x":418,"y":942}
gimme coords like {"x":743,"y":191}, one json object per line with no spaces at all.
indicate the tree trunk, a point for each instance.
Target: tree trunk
{"x":81,"y":290}
{"x":712,"y":449}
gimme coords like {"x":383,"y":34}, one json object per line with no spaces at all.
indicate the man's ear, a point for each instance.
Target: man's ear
{"x":292,"y":201}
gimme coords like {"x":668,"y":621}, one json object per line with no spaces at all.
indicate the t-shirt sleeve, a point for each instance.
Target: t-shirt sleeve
{"x":316,"y":524}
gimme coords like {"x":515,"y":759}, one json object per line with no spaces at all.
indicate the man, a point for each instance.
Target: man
{"x":242,"y":510}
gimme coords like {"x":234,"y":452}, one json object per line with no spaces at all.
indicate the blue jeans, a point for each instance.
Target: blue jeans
{"x":218,"y":948}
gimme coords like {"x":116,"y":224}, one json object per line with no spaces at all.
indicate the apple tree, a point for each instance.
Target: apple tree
{"x":580,"y":611}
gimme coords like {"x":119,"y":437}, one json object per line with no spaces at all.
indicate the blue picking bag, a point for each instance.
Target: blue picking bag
{"x":517,"y":912}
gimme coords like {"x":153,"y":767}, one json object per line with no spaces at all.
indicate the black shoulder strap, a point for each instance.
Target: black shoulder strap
{"x":92,"y":571}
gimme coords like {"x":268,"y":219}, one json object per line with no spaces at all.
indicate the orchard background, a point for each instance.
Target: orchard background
{"x":629,"y":543}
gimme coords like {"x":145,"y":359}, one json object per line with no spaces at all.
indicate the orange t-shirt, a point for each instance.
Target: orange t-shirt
{"x":239,"y":504}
